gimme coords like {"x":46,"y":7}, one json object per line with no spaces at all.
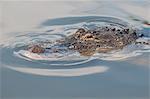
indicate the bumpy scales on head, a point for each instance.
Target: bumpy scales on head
{"x":87,"y":42}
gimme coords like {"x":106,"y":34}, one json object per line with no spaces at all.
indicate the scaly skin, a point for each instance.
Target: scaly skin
{"x":102,"y":40}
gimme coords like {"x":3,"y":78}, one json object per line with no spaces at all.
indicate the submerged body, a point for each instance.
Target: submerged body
{"x":88,"y":42}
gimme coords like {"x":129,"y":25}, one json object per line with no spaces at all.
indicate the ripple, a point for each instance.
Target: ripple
{"x":62,"y":72}
{"x":15,"y":54}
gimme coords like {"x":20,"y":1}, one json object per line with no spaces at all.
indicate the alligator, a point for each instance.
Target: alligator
{"x":89,"y":41}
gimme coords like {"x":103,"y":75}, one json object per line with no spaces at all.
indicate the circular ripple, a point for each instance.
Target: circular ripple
{"x":15,"y":55}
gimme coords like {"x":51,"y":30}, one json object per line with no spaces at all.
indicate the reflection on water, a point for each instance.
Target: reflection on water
{"x":62,"y":72}
{"x":68,"y":58}
{"x":116,"y":75}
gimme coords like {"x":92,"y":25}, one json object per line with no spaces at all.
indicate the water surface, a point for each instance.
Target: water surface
{"x":81,"y":77}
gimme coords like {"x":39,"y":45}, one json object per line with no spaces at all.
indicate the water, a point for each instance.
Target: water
{"x":120,"y":74}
